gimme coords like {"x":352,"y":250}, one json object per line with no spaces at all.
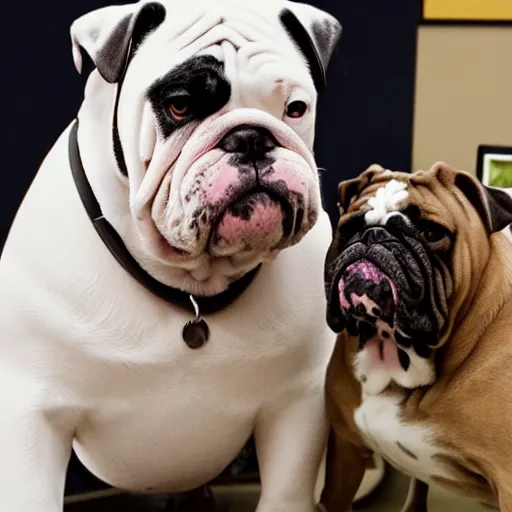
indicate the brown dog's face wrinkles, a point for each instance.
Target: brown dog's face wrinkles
{"x":398,"y":271}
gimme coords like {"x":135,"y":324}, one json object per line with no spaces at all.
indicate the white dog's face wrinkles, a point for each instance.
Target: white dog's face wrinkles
{"x":214,"y":125}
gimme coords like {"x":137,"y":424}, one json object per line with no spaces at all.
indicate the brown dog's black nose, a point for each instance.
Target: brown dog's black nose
{"x":376,"y":235}
{"x":252,"y":142}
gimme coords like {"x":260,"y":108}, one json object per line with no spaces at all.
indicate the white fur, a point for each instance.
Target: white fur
{"x":379,"y":420}
{"x":385,"y":202}
{"x":90,"y":358}
{"x":421,"y":372}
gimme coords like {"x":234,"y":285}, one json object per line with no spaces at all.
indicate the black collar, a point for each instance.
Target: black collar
{"x":110,"y":237}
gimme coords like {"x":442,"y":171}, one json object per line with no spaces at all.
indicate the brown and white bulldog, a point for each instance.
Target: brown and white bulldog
{"x":419,"y":284}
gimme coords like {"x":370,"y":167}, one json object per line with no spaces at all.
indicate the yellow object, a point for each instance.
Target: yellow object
{"x":467,"y":9}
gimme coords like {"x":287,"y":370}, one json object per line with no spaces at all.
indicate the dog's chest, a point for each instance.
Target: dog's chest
{"x":170,"y":420}
{"x":411,"y":448}
{"x":166,"y":417}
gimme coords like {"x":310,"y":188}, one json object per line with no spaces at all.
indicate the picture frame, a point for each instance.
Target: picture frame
{"x":466,"y":12}
{"x":494,"y":166}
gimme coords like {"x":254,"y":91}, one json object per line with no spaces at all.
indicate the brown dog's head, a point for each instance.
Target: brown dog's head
{"x":405,"y":262}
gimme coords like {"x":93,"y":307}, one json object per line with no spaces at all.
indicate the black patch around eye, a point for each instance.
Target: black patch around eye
{"x":202,"y":80}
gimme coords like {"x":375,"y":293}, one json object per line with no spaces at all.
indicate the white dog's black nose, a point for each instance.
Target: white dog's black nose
{"x":252,"y":142}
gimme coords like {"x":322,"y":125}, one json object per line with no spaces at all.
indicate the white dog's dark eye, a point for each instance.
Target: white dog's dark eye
{"x":179,"y":107}
{"x":296,"y":109}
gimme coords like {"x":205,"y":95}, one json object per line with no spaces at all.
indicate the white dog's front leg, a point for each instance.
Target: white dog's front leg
{"x":35,"y":449}
{"x":290,"y":440}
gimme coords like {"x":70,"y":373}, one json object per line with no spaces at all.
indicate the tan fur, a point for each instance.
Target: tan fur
{"x":469,"y":407}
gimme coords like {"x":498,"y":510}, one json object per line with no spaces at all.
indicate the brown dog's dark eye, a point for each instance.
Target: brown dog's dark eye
{"x":436,"y":235}
{"x":433,"y":235}
{"x":296,"y":109}
{"x":179,"y":107}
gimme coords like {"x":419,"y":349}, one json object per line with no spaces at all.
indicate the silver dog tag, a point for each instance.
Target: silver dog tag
{"x":196,"y":332}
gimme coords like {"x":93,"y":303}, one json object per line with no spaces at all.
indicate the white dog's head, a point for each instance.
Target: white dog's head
{"x":213,"y":121}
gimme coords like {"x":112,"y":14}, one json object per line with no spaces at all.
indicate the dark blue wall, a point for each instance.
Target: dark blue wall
{"x":366,"y":113}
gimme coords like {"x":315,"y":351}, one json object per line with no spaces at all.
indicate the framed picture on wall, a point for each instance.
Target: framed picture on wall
{"x":467,"y":10}
{"x":494,"y":166}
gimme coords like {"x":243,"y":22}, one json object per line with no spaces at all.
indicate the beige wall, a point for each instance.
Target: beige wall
{"x":463,"y":93}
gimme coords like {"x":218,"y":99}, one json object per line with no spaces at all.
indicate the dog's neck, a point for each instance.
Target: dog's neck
{"x":208,"y":276}
{"x":494,"y":286}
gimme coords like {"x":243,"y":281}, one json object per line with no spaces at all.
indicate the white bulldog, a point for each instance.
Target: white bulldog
{"x":157,"y":308}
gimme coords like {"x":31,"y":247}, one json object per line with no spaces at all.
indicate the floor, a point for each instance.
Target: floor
{"x":244,"y":499}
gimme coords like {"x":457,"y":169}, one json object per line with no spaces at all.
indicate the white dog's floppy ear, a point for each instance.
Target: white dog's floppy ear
{"x":315,"y":32}
{"x":107,"y":35}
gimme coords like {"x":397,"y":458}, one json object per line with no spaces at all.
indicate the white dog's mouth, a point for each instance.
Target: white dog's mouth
{"x":260,"y":220}
{"x":223,"y":196}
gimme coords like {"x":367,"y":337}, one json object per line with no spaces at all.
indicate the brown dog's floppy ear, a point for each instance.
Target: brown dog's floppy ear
{"x":349,"y":190}
{"x":493,"y":205}
{"x":108,"y":34}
